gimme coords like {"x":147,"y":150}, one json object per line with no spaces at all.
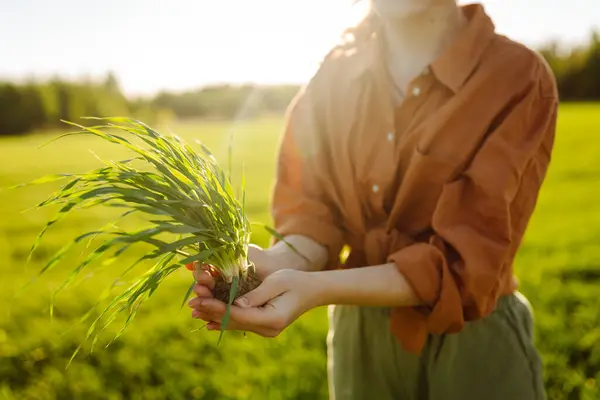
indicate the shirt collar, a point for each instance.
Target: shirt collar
{"x":453,"y":66}
{"x":459,"y":60}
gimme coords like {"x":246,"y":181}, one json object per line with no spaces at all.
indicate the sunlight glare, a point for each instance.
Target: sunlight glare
{"x":263,"y":41}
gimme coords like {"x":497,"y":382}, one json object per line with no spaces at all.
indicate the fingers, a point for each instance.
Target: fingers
{"x":202,"y":291}
{"x":205,"y":307}
{"x":257,"y":317}
{"x":261,"y":321}
{"x":215,"y":309}
{"x":208,"y":305}
{"x":273,"y":286}
{"x":200,"y":315}
{"x":215,"y":321}
{"x":262,"y":311}
{"x":248,"y":318}
{"x":203,"y":277}
{"x":232,"y":326}
{"x":266,"y":291}
{"x":213,"y":326}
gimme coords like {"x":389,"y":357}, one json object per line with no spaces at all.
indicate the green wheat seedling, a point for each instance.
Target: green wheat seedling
{"x":183,"y":193}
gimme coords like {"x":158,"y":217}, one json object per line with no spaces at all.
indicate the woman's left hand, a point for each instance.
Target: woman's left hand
{"x":267,"y":310}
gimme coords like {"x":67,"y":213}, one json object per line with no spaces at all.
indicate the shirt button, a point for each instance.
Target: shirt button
{"x":416,"y":91}
{"x":390,"y":136}
{"x":375,"y":188}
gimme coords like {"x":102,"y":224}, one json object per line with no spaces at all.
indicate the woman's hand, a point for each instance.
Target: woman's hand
{"x":264,"y":265}
{"x":269,"y":261}
{"x":282,"y":297}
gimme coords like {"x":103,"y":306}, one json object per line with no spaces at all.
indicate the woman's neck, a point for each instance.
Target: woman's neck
{"x":414,"y":41}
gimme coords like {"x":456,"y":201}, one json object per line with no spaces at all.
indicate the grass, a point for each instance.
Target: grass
{"x":160,"y":356}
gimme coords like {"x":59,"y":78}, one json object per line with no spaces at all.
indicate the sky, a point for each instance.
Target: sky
{"x":153,"y":45}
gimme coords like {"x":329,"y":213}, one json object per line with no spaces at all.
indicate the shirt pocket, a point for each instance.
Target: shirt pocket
{"x":432,"y":169}
{"x":420,"y":190}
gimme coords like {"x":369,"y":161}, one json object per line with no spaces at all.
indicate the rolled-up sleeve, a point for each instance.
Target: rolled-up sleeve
{"x":481,"y":217}
{"x":298,"y":204}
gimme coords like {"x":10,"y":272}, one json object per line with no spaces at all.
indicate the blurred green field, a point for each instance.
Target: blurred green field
{"x":161,"y":357}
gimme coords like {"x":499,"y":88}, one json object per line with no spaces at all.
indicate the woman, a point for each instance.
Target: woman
{"x":421,"y":143}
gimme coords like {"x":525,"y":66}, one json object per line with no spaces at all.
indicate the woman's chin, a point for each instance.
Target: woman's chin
{"x":398,"y":9}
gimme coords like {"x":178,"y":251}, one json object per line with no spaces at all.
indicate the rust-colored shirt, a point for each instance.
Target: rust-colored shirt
{"x":443,"y":185}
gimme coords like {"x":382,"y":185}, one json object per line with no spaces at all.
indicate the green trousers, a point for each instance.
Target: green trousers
{"x":490,"y":359}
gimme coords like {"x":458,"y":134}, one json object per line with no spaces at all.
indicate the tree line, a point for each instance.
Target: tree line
{"x":28,"y":106}
{"x":577,"y":70}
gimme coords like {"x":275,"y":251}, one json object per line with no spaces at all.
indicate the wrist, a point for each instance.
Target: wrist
{"x":279,"y":259}
{"x":298,"y":252}
{"x":318,"y":286}
{"x":327,"y":288}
